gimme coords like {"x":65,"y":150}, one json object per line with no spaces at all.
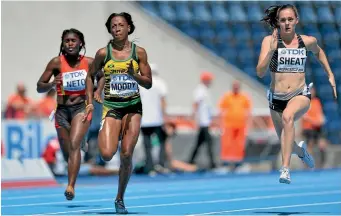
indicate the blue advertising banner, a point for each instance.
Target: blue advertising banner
{"x":26,"y":138}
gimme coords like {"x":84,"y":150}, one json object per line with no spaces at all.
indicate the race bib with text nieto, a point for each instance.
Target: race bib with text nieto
{"x":74,"y":81}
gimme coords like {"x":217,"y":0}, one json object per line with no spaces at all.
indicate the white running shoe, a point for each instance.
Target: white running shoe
{"x":307,"y":158}
{"x":285,"y":176}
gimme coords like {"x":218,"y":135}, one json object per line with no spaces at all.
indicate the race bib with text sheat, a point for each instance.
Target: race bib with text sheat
{"x":74,"y":81}
{"x":291,"y":60}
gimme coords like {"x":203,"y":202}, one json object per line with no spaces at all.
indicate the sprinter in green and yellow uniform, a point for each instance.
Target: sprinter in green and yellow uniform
{"x":125,"y":67}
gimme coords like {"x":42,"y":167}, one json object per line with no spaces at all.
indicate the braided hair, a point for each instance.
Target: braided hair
{"x":78,"y":33}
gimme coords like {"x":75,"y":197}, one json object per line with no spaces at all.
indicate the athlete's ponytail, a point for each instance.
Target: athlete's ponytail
{"x":271,"y":14}
{"x":270,"y":17}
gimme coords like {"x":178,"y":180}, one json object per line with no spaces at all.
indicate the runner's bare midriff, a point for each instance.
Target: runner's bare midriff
{"x":70,"y":99}
{"x":287,"y":82}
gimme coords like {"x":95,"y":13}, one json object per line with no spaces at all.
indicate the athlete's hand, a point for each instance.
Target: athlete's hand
{"x":97,"y":96}
{"x":274,"y":40}
{"x":88,"y":112}
{"x":130,"y":68}
{"x":334,"y":92}
{"x":57,"y":80}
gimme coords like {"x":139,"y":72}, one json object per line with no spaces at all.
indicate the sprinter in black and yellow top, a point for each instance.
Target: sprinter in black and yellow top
{"x":125,"y":68}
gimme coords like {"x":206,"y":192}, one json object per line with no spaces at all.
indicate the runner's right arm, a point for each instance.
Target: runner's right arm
{"x":52,"y":68}
{"x":94,"y":68}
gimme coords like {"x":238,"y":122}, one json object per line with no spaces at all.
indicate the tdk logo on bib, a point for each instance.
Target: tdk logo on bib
{"x":74,"y":81}
{"x":121,"y":78}
{"x":291,"y":60}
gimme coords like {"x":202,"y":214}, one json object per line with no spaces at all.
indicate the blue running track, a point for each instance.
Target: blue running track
{"x":310,"y":193}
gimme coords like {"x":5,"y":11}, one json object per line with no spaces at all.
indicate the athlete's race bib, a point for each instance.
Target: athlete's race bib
{"x":74,"y":81}
{"x":291,"y":60}
{"x":123,"y":85}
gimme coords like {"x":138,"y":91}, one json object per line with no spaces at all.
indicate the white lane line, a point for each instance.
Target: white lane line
{"x":209,"y":201}
{"x":264,"y":208}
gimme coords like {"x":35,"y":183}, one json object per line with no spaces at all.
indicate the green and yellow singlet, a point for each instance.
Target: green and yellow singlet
{"x":120,"y":89}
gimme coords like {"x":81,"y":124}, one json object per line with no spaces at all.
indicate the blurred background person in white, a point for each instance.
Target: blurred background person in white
{"x":203,"y":113}
{"x":153,"y":119}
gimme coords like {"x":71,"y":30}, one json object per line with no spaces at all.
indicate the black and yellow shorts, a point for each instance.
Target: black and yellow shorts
{"x":120,"y":112}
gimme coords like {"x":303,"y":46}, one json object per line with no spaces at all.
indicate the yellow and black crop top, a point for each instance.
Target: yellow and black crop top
{"x":120,"y":89}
